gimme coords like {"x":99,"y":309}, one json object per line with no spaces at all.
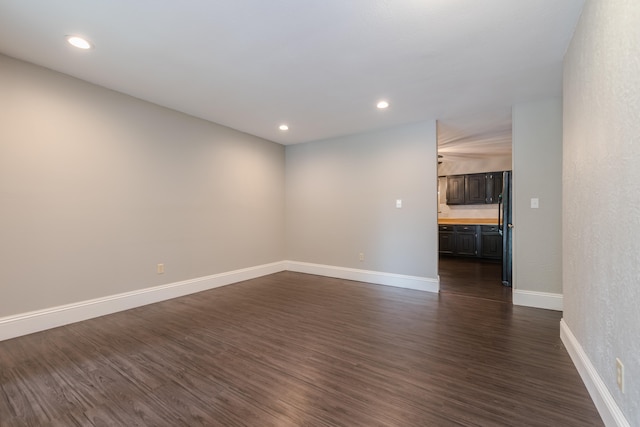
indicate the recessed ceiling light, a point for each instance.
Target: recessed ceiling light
{"x":284,"y":127}
{"x":382,"y":105}
{"x":79,"y":42}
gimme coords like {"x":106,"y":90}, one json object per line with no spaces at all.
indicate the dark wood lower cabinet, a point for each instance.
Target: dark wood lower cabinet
{"x":481,"y":241}
{"x":466,"y":240}
{"x":446,"y":242}
{"x":490,"y":242}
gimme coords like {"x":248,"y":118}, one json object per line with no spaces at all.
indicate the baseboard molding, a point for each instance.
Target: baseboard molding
{"x":545,"y":300}
{"x":40,"y":320}
{"x":602,"y":398}
{"x":375,"y":277}
{"x":35,"y":321}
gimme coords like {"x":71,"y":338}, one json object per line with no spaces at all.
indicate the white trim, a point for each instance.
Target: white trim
{"x":40,"y":320}
{"x":34,"y":321}
{"x":602,"y":398}
{"x":376,"y":277}
{"x":537,"y":299}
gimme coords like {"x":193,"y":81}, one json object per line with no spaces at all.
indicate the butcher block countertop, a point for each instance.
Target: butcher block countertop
{"x":480,"y":221}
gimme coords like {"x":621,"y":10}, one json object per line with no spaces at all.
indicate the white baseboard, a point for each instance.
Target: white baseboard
{"x":602,"y":398}
{"x":26,"y":323}
{"x":376,"y":277}
{"x":40,"y":320}
{"x":537,"y":299}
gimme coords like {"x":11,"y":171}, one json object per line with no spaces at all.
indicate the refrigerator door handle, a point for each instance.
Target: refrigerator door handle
{"x":500,"y":214}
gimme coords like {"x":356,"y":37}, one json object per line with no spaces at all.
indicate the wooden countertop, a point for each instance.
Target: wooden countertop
{"x":481,"y":221}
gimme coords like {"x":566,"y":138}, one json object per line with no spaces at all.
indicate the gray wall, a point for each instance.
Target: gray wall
{"x":537,"y":173}
{"x":96,"y":188}
{"x":601,"y":193}
{"x":341,"y":196}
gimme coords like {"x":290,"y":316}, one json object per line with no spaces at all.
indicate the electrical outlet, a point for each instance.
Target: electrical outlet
{"x":160,"y":269}
{"x":361,"y":256}
{"x":620,"y":374}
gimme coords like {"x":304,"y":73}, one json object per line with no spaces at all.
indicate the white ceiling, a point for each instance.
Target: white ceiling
{"x":476,"y":136}
{"x":318,"y":65}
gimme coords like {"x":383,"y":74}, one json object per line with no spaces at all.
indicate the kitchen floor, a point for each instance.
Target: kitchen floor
{"x":473,"y":278}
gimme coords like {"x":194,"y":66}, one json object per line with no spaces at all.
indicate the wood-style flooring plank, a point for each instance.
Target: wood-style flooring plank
{"x":473,"y":277}
{"x":291,"y":349}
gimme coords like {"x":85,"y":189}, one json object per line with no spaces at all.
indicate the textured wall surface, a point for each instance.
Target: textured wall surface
{"x":96,"y":188}
{"x":601,"y":218}
{"x":341,"y":196}
{"x":537,"y":173}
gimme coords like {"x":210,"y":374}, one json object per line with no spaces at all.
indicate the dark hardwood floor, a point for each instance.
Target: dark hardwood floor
{"x":473,"y":278}
{"x":291,"y":349}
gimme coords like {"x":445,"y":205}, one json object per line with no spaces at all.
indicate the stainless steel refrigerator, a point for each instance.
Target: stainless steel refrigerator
{"x":505,"y":226}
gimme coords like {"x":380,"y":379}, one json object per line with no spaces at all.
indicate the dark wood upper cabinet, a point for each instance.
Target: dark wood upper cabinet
{"x":494,"y":186}
{"x":455,"y":190}
{"x":475,"y":189}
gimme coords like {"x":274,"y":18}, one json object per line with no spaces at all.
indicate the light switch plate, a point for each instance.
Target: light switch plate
{"x":399,"y":203}
{"x":535,"y":203}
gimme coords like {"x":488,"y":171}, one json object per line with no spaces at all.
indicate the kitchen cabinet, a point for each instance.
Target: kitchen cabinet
{"x":474,"y":189}
{"x":466,"y":240}
{"x":469,"y":240}
{"x":460,"y":240}
{"x":455,"y":190}
{"x":446,"y":239}
{"x":493,"y":186}
{"x":490,"y":242}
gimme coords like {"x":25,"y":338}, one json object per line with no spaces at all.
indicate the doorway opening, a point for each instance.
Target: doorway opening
{"x":474,"y":225}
